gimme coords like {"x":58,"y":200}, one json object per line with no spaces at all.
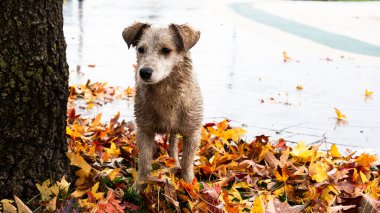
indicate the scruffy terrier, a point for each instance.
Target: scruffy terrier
{"x":168,"y":99}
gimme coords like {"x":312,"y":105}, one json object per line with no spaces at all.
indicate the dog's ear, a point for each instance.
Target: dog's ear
{"x":133,"y":33}
{"x":185,"y":36}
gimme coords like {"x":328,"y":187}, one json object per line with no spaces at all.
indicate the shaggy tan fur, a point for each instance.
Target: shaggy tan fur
{"x":169,"y":102}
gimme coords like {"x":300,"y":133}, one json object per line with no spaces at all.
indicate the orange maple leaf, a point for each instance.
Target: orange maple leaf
{"x":366,"y":160}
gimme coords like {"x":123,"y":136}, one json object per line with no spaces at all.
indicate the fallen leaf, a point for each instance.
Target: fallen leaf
{"x":368,"y":93}
{"x":77,"y":160}
{"x":21,"y":207}
{"x":52,"y":205}
{"x":318,"y":172}
{"x":340,"y":208}
{"x":334,"y":151}
{"x":366,"y":160}
{"x":369,"y":205}
{"x":285,"y":56}
{"x":7,"y":206}
{"x":113,"y":150}
{"x":339,"y":114}
{"x":45,"y":190}
{"x":94,"y":193}
{"x":258,"y":205}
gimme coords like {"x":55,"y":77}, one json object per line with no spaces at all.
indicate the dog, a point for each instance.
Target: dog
{"x":168,"y":98}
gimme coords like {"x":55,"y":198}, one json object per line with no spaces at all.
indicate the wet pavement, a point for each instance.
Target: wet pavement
{"x":240,"y":67}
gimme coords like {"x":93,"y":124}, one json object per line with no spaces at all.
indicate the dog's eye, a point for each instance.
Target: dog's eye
{"x":141,"y":49}
{"x":166,"y":50}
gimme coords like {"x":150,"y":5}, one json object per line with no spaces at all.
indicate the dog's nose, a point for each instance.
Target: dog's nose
{"x":146,"y":73}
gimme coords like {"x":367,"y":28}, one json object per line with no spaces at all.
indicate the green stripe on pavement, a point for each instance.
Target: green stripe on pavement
{"x":329,"y":39}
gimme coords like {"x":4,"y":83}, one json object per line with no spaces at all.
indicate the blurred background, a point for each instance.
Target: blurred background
{"x":278,"y":68}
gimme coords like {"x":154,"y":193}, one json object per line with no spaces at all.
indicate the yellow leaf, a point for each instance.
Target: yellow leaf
{"x":363,"y":177}
{"x":113,"y":150}
{"x":45,"y":190}
{"x":368,"y":93}
{"x":73,"y":134}
{"x":302,"y":151}
{"x":133,"y":172}
{"x":333,"y":189}
{"x":242,"y":184}
{"x":339,"y":114}
{"x":234,"y":134}
{"x":114,"y":173}
{"x":63,"y":185}
{"x":7,"y":206}
{"x":79,"y":192}
{"x":373,"y":188}
{"x":21,"y":207}
{"x":258,"y":205}
{"x":334,"y":151}
{"x":55,"y":189}
{"x":235,"y":193}
{"x":318,"y":172}
{"x":299,"y":87}
{"x":327,"y":196}
{"x":77,"y":160}
{"x":90,"y":106}
{"x":94,"y":189}
{"x":222,"y":125}
{"x":285,"y":56}
{"x":82,"y":177}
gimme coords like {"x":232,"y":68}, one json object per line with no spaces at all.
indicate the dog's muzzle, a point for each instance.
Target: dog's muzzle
{"x":146,"y":73}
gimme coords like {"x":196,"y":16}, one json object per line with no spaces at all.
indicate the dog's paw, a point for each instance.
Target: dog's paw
{"x":187,"y":177}
{"x":139,"y":186}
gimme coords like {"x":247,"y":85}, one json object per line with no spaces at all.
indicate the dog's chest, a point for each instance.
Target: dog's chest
{"x":160,"y":110}
{"x":167,"y":113}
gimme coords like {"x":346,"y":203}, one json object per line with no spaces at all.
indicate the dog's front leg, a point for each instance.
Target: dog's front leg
{"x":173,"y":148}
{"x":146,"y":147}
{"x":190,"y":145}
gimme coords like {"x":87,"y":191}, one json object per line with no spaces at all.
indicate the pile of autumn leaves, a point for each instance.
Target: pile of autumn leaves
{"x":232,"y":174}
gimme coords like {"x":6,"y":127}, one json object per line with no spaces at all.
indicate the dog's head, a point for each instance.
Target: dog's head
{"x":159,"y":50}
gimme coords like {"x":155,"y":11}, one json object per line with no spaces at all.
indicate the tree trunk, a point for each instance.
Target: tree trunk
{"x":33,"y":95}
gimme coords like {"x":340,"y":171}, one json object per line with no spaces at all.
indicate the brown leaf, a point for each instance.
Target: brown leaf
{"x":276,"y":206}
{"x":284,"y":157}
{"x":368,"y":205}
{"x":271,"y":159}
{"x":340,"y":208}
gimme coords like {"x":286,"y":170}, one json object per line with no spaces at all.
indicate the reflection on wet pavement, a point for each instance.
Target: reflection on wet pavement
{"x":241,"y":72}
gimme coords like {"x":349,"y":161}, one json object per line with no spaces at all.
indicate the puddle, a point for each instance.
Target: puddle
{"x":241,"y":73}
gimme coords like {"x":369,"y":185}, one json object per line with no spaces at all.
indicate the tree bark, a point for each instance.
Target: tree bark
{"x":33,"y":95}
